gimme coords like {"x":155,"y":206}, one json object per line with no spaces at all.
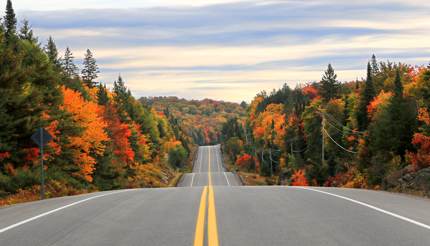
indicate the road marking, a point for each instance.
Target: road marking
{"x":370,"y":206}
{"x":192,"y":179}
{"x":212,"y":223}
{"x":225,"y":175}
{"x":56,"y":210}
{"x":221,"y":160}
{"x":199,"y":235}
{"x":212,"y":227}
{"x":217,"y":160}
{"x":200,"y":159}
{"x":209,"y":168}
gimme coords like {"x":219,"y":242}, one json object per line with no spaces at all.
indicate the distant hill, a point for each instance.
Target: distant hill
{"x":200,"y":120}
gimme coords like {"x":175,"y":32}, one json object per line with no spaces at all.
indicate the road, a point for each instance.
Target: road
{"x":211,"y":208}
{"x":202,"y":170}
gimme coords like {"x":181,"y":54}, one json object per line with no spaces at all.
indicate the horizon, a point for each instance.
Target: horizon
{"x":231,"y":50}
{"x":243,"y":123}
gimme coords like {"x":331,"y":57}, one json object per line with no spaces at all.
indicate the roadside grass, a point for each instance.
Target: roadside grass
{"x":174,"y":181}
{"x":247,"y":178}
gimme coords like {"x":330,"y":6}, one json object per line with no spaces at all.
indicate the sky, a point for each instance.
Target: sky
{"x":231,"y":50}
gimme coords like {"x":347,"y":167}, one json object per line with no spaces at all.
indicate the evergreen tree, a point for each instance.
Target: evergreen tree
{"x":312,"y":123}
{"x":398,"y":87}
{"x":391,"y":131}
{"x":231,"y":129}
{"x":122,"y":99}
{"x":357,"y":84}
{"x":119,"y":87}
{"x":178,"y":157}
{"x":102,"y":96}
{"x":107,"y":176}
{"x":329,"y":84}
{"x":68,"y":64}
{"x":1,"y":31}
{"x":10,"y":21}
{"x":26,"y":32}
{"x":52,"y":52}
{"x":375,"y":66}
{"x":403,"y":116}
{"x":90,"y":70}
{"x":366,"y":96}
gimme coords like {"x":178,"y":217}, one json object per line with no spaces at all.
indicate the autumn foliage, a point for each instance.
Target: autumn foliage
{"x":92,"y":137}
{"x":421,"y":140}
{"x":364,"y":134}
{"x":299,"y":178}
{"x":102,"y":138}
{"x":379,"y":100}
{"x":245,"y":161}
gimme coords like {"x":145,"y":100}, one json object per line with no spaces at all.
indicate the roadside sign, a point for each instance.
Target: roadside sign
{"x":41,"y":137}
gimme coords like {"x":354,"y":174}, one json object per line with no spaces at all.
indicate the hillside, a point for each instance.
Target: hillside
{"x":102,"y":139}
{"x":200,"y":121}
{"x":372,"y":133}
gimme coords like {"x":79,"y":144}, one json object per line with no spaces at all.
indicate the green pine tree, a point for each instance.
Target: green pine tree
{"x":10,"y":21}
{"x":52,"y":52}
{"x":26,"y":33}
{"x":375,"y":66}
{"x":366,"y":96}
{"x":123,"y":100}
{"x":102,"y":95}
{"x":90,"y":70}
{"x":398,"y":87}
{"x":391,"y":131}
{"x":69,"y":67}
{"x":329,"y":84}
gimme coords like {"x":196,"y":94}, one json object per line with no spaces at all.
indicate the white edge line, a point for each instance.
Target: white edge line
{"x":369,"y":206}
{"x":217,"y":159}
{"x":56,"y":210}
{"x":225,"y":175}
{"x":200,"y":160}
{"x":192,"y":179}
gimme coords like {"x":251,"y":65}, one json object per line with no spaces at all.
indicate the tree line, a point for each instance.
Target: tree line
{"x":199,"y":121}
{"x":102,"y":138}
{"x":369,"y":133}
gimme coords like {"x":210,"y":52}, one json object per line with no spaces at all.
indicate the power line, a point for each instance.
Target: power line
{"x":340,"y":146}
{"x":335,"y":127}
{"x":333,"y":119}
{"x":340,"y":131}
{"x":340,"y":124}
{"x":300,"y":151}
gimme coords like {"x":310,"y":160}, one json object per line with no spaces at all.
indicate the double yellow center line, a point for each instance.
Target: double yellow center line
{"x":199,"y":236}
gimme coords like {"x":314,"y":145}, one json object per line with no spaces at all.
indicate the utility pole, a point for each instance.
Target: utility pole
{"x":246,"y":133}
{"x":271,"y":165}
{"x":262,"y":158}
{"x":291,"y":147}
{"x":322,"y":140}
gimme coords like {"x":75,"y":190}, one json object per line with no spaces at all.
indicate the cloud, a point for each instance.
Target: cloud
{"x":233,"y":49}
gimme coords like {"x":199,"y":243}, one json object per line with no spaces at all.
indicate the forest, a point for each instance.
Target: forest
{"x":103,"y":138}
{"x":199,"y":121}
{"x":369,"y":133}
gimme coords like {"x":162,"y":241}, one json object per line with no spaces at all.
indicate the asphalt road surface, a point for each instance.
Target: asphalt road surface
{"x":202,"y":170}
{"x":211,"y":208}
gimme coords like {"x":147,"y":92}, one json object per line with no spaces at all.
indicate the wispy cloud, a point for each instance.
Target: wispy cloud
{"x":232,"y":49}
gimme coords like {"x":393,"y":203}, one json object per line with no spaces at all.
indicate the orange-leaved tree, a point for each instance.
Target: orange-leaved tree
{"x":90,"y":143}
{"x":245,"y":161}
{"x":421,"y":140}
{"x":299,"y":178}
